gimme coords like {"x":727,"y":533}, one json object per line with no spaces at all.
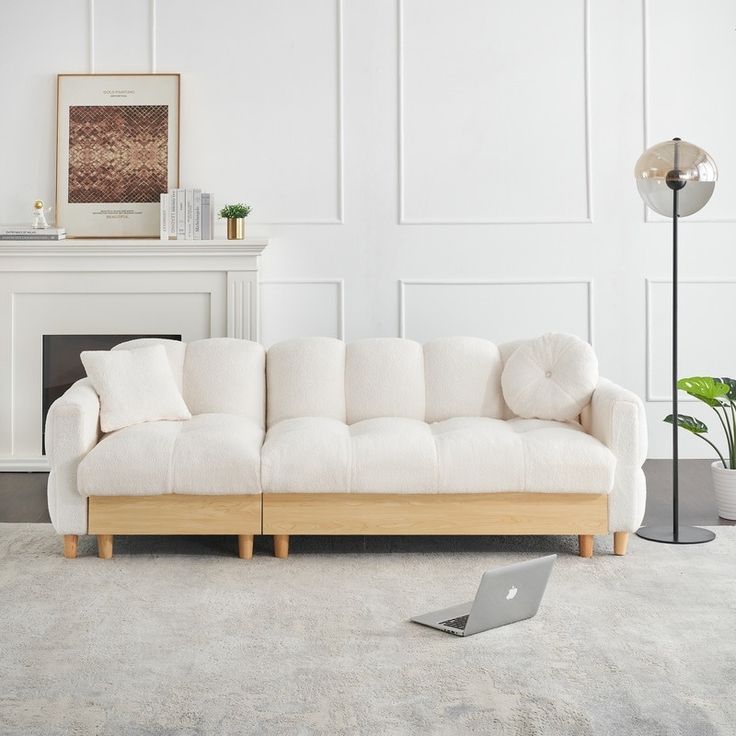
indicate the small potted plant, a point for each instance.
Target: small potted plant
{"x":720,"y":395}
{"x":235,"y":215}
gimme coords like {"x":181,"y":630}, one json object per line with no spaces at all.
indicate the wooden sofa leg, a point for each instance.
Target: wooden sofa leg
{"x":104,"y":546}
{"x":70,"y":546}
{"x":620,"y":542}
{"x":281,"y":545}
{"x":245,"y":546}
{"x":585,"y":541}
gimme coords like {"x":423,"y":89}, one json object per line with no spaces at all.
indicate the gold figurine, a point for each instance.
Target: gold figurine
{"x":39,"y":216}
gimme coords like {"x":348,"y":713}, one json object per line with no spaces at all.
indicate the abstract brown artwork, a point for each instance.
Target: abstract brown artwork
{"x":118,"y":153}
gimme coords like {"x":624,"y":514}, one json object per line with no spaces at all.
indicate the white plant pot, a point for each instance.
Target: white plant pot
{"x":724,"y":484}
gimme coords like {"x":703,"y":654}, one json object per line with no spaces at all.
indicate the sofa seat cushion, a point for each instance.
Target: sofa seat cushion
{"x":459,"y":455}
{"x":210,"y":454}
{"x":476,"y":454}
{"x":317,"y":454}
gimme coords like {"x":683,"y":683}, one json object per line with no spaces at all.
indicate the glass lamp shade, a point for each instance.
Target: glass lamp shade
{"x":676,"y":165}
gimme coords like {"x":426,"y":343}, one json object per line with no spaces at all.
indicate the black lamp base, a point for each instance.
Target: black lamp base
{"x":685,"y":534}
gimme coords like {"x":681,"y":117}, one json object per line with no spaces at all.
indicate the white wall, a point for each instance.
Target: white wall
{"x":428,"y":167}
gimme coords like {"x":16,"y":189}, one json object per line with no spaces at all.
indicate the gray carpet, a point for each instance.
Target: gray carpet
{"x":177,"y":636}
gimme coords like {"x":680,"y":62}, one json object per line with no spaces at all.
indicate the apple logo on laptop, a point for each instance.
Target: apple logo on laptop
{"x":513,"y":590}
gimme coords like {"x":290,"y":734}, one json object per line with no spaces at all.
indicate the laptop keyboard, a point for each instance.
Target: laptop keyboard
{"x":456,"y":623}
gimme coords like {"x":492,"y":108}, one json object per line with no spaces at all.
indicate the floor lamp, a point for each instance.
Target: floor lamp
{"x":675,"y":179}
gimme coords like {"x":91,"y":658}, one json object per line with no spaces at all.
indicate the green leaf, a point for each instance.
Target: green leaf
{"x":731,"y":383}
{"x":706,"y":388}
{"x":235,"y":211}
{"x":691,"y":424}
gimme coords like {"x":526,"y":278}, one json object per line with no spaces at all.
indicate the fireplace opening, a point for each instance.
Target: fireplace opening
{"x":62,"y":366}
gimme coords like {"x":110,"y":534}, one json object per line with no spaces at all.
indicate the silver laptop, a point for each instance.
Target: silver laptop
{"x":506,"y":595}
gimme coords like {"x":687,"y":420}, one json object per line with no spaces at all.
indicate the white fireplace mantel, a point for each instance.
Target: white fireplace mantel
{"x":194,"y":288}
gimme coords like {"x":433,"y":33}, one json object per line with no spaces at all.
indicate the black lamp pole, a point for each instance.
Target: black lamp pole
{"x":675,"y":444}
{"x":677,"y":534}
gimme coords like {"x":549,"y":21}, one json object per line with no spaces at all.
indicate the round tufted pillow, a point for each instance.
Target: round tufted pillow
{"x":551,"y":377}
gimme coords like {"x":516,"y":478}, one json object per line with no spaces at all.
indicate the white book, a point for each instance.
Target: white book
{"x":181,"y":214}
{"x":206,"y":200}
{"x":172,"y":214}
{"x":190,"y":215}
{"x":212,"y":216}
{"x":164,"y":229}
{"x":173,"y":210}
{"x":197,"y":215}
{"x":40,"y":236}
{"x":29,"y":230}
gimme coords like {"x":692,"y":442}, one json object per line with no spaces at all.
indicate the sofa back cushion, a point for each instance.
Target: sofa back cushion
{"x":220,"y":375}
{"x":224,"y":375}
{"x":384,"y":377}
{"x":463,"y":379}
{"x":175,"y":352}
{"x":306,"y":378}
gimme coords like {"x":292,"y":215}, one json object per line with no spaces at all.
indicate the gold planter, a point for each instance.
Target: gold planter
{"x":235,"y":228}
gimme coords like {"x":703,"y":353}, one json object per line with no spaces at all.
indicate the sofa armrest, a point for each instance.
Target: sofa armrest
{"x":616,"y":417}
{"x":72,"y":430}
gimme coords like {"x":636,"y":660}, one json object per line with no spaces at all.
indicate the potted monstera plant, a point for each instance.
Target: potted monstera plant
{"x":720,"y":395}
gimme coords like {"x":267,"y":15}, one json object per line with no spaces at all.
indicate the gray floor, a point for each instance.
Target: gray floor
{"x":23,"y":495}
{"x":172,"y":639}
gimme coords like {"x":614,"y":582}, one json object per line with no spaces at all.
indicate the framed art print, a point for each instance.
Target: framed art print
{"x":117,"y":152}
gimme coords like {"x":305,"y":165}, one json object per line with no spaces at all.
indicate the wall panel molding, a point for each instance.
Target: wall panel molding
{"x":339,"y":218}
{"x":651,"y":394}
{"x":588,"y":283}
{"x":152,"y":36}
{"x":154,"y":32}
{"x":404,"y":220}
{"x":91,"y":29}
{"x":649,"y":217}
{"x":339,"y":285}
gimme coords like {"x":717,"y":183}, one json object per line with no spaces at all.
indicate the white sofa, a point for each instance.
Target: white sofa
{"x":380,"y":436}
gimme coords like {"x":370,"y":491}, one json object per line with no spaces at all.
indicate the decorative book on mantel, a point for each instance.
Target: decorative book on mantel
{"x":26,"y":232}
{"x":187,"y":214}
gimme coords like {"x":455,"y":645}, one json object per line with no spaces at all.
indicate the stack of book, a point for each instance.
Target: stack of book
{"x":27,"y":232}
{"x":187,"y":214}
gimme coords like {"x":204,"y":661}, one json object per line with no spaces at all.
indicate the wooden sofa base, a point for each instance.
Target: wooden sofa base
{"x":174,"y":514}
{"x":282,"y":514}
{"x":584,"y":514}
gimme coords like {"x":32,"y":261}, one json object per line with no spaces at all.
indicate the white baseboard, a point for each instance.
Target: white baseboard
{"x":24,"y":464}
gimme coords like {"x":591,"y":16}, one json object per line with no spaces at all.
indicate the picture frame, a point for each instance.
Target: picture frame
{"x":117,"y":152}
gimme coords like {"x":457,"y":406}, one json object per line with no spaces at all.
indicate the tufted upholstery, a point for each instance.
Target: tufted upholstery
{"x":463,"y":454}
{"x":217,"y":451}
{"x":211,"y":454}
{"x":226,"y":376}
{"x":216,"y":375}
{"x":383,"y":377}
{"x":351,"y":419}
{"x":462,"y":377}
{"x":378,"y":415}
{"x":306,"y":378}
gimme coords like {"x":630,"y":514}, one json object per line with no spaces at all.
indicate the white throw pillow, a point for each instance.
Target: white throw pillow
{"x":134,"y":386}
{"x":551,"y":377}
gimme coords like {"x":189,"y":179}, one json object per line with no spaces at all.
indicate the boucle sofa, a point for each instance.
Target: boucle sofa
{"x":380,"y":436}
